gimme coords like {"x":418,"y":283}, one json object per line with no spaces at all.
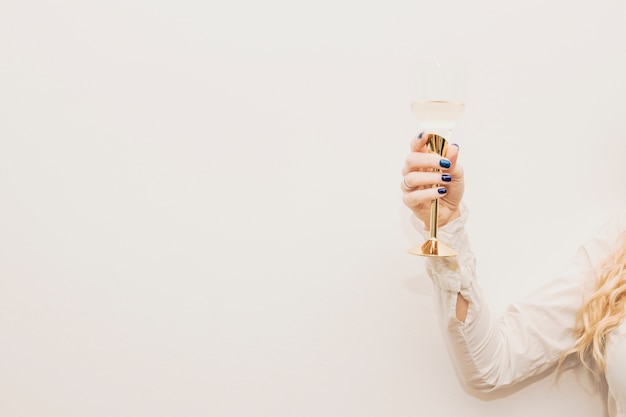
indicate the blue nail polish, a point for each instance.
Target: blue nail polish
{"x":444,"y":163}
{"x":442,"y":190}
{"x":446,"y":177}
{"x":420,"y":135}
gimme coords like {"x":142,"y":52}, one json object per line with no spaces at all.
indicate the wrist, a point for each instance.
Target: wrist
{"x":450,"y":218}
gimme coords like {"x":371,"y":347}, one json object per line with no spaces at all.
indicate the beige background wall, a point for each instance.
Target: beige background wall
{"x":200,"y":211}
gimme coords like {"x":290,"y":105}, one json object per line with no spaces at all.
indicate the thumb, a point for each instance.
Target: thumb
{"x":453,"y":153}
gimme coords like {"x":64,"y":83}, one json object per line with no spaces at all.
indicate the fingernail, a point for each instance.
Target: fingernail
{"x":446,"y":177}
{"x":444,"y":163}
{"x":442,"y":190}
{"x":457,"y":145}
{"x":420,"y":135}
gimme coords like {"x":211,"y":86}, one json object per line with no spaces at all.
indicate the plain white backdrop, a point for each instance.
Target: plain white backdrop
{"x":200,"y":212}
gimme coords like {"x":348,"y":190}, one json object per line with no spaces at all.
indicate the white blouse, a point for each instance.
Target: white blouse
{"x":494,"y":352}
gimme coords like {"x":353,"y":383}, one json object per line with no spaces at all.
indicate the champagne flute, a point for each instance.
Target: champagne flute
{"x":437,"y":88}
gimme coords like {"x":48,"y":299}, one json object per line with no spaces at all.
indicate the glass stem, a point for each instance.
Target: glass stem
{"x":434,"y":207}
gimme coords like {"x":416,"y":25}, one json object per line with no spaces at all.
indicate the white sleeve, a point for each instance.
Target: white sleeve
{"x":491,"y":352}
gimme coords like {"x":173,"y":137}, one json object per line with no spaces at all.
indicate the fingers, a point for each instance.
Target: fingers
{"x":415,"y":198}
{"x":418,"y":180}
{"x":420,"y":159}
{"x":418,"y":143}
{"x":428,"y":176}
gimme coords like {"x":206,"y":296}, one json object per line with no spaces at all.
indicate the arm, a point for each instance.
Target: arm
{"x":461,"y":308}
{"x":491,"y":352}
{"x":494,"y":352}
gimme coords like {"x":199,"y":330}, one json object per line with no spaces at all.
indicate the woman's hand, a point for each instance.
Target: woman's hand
{"x":419,"y":179}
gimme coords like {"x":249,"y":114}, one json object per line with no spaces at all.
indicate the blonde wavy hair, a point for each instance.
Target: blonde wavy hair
{"x":602,"y":311}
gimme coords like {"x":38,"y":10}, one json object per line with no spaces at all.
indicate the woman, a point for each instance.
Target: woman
{"x":581,"y":312}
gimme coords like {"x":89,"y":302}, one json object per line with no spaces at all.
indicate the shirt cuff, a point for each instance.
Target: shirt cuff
{"x":454,"y":273}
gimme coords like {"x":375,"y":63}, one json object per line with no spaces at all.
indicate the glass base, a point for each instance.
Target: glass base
{"x":432,"y":247}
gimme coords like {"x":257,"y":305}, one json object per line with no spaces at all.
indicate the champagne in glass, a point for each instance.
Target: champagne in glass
{"x":437,"y":101}
{"x":437,"y":116}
